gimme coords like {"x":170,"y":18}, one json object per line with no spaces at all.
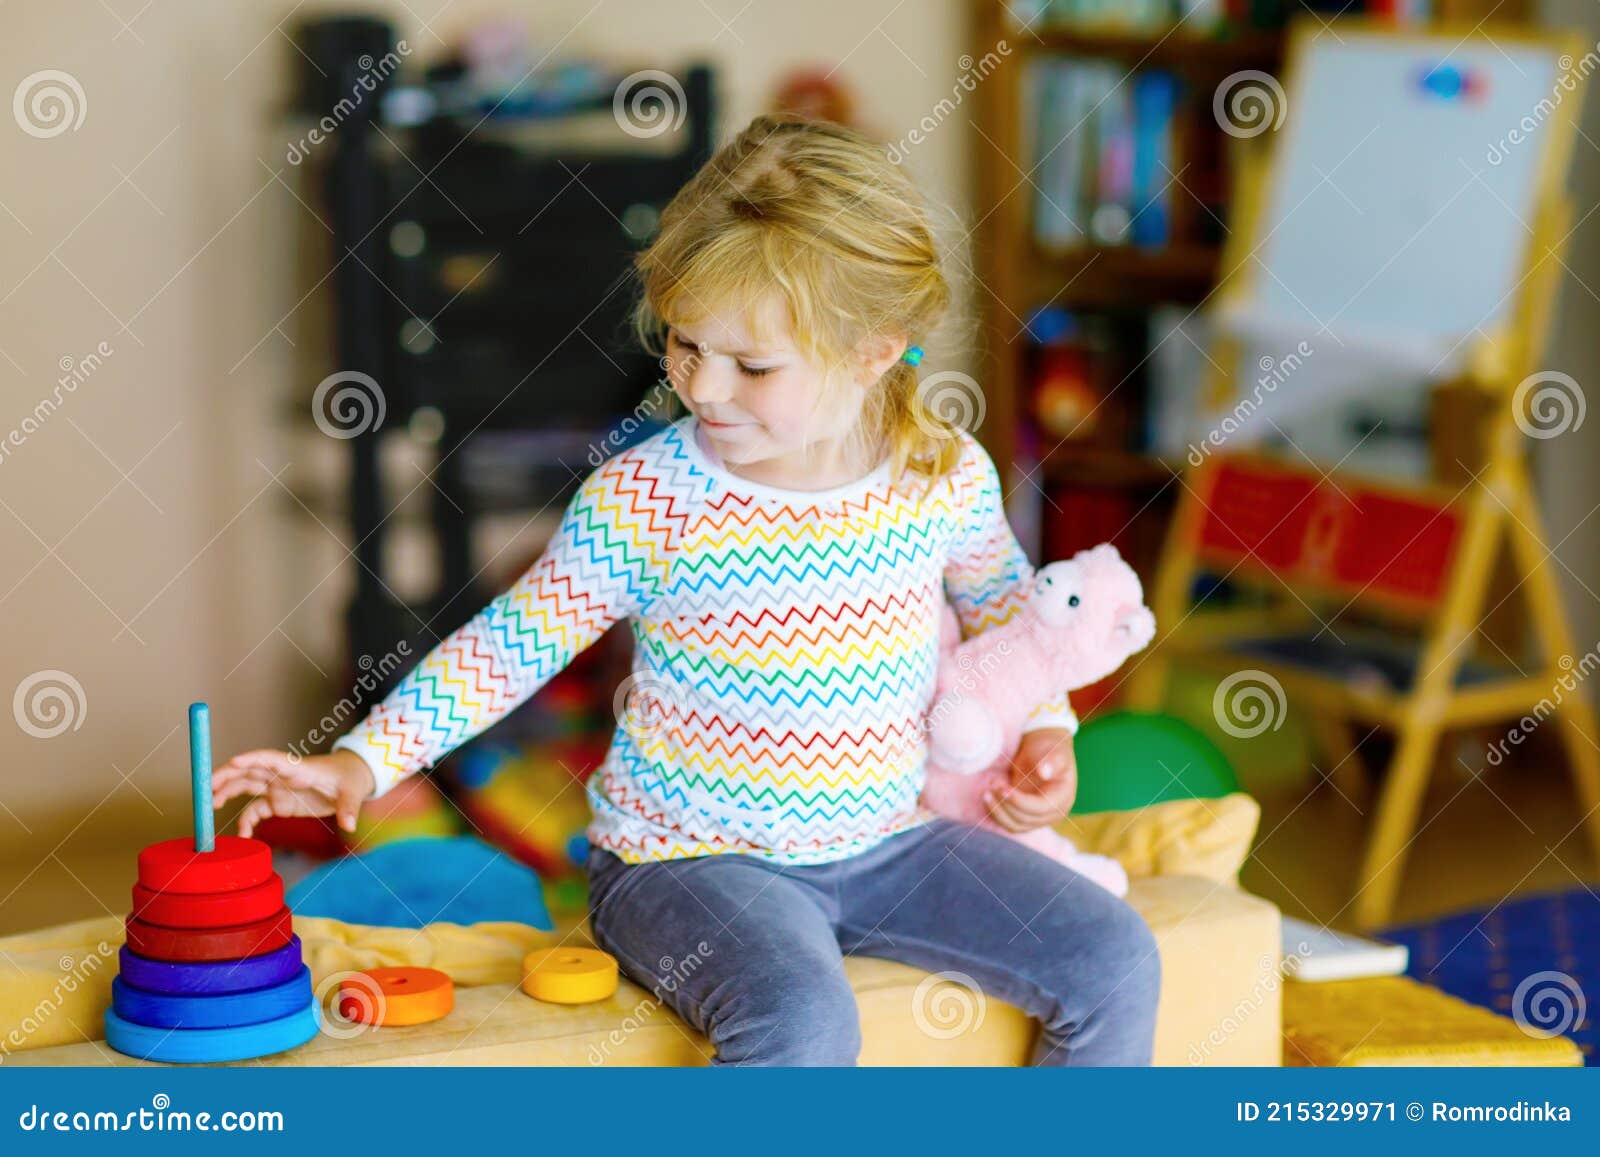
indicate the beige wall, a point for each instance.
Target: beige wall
{"x":157,"y":227}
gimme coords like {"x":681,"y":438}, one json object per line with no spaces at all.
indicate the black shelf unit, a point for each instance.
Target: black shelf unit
{"x":484,"y":281}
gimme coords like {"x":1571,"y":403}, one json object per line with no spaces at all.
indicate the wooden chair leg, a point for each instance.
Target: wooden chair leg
{"x":1394,"y":822}
{"x":1575,"y":717}
{"x":1147,"y":686}
{"x":1337,"y":747}
{"x":1578,"y":733}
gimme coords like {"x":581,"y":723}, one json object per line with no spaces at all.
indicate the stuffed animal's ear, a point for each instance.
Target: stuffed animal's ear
{"x":1135,"y":624}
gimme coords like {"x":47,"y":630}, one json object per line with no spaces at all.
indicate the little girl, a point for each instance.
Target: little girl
{"x":782,"y":553}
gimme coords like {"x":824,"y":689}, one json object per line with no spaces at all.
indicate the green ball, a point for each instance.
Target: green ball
{"x":1131,"y":759}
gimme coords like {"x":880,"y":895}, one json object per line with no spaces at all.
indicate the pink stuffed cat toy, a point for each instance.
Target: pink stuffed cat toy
{"x":1082,"y":620}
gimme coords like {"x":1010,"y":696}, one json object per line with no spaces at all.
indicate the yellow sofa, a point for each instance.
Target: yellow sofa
{"x":1220,"y":999}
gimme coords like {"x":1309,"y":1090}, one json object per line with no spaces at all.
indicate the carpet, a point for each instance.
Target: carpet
{"x":1535,"y":959}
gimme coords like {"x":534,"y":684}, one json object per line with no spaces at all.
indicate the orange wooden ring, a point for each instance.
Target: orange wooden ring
{"x":209,"y":909}
{"x":569,"y":975}
{"x":188,"y":944}
{"x":175,"y":866}
{"x":396,"y":996}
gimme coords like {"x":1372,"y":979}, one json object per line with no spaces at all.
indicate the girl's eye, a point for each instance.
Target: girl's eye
{"x":1073,"y":601}
{"x":676,"y":338}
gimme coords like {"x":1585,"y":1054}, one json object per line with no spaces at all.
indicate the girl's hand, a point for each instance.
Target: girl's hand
{"x":317,"y":785}
{"x":1044,"y":782}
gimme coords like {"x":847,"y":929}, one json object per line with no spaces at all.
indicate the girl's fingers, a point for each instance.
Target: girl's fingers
{"x":348,"y":806}
{"x":1000,"y":811}
{"x":253,"y":814}
{"x":257,"y":770}
{"x":269,"y":761}
{"x":1016,"y":813}
{"x":242,"y":785}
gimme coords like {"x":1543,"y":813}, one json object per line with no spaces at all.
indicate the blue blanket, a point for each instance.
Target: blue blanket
{"x":409,"y":883}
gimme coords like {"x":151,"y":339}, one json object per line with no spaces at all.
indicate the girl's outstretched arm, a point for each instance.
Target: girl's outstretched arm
{"x":607,"y":561}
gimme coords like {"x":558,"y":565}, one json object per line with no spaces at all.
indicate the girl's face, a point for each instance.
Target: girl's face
{"x":760,"y":403}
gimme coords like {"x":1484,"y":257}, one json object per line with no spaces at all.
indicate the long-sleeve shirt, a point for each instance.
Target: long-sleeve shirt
{"x":785,"y":649}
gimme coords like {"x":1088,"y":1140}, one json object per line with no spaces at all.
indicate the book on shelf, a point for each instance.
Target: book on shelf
{"x":1100,"y":143}
{"x":1200,"y":18}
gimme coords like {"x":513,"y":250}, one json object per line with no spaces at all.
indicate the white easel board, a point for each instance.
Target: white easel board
{"x":1400,"y":204}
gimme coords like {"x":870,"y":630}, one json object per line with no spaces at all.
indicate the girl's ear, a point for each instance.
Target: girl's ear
{"x":878,"y":352}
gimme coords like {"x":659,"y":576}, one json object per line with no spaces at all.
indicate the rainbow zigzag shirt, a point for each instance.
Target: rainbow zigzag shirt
{"x":785,"y":647}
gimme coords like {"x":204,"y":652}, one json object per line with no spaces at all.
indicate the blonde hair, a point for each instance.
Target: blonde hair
{"x":813,"y":217}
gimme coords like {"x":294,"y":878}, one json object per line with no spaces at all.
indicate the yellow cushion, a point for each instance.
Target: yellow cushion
{"x":1393,"y":1020}
{"x":1219,"y":999}
{"x":1209,"y":838}
{"x":1219,"y":952}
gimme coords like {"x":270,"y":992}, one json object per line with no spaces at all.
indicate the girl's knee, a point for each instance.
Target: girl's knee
{"x":800,"y":1016}
{"x":1118,"y":966}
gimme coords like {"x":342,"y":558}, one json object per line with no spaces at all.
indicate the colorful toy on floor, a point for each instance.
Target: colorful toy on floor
{"x":211,"y":970}
{"x":569,"y":975}
{"x":414,"y":808}
{"x":530,"y":801}
{"x":396,"y":996}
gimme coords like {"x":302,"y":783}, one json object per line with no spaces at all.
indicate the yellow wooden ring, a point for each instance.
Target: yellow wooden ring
{"x":569,"y":975}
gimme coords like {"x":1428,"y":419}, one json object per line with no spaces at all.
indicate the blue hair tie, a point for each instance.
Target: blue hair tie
{"x":912,"y":356}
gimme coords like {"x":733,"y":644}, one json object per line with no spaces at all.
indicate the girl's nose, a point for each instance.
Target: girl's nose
{"x":707,"y":384}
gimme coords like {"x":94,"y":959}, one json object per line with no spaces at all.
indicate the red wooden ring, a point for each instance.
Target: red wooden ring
{"x":235,"y":943}
{"x":175,"y":866}
{"x":209,"y":909}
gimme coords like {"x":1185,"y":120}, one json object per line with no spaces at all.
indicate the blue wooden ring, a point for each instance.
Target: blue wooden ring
{"x":221,"y":1010}
{"x":209,"y":1045}
{"x":186,"y":978}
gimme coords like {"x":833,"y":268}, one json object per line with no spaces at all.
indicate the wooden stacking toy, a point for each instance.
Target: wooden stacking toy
{"x":211,"y":970}
{"x":396,"y":996}
{"x":569,"y":975}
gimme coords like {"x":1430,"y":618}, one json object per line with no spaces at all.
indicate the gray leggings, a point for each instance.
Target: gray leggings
{"x":751,"y":952}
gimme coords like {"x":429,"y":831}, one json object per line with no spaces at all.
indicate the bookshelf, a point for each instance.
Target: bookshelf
{"x":1114,"y":288}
